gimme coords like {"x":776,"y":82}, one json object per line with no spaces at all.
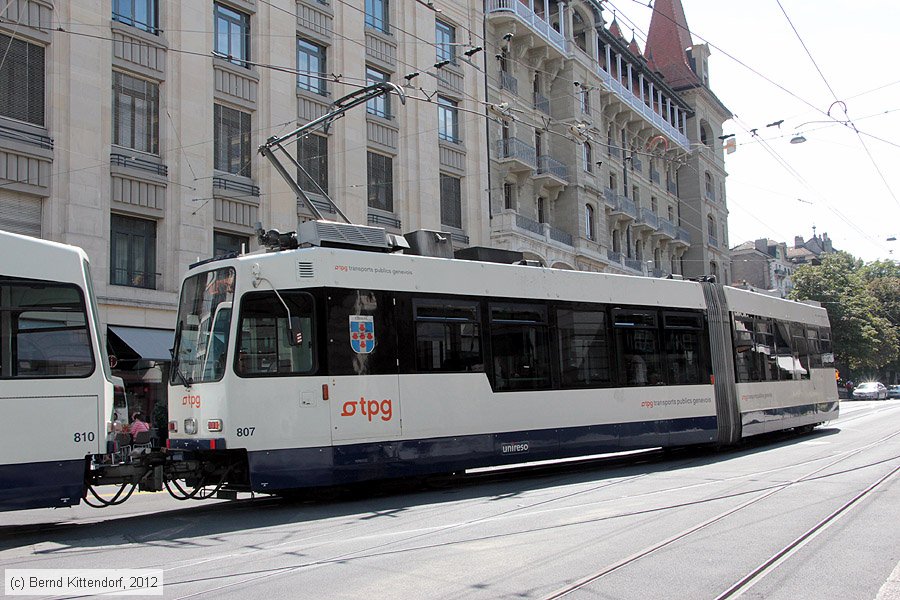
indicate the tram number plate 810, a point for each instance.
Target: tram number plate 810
{"x":83,"y":436}
{"x":245,"y":431}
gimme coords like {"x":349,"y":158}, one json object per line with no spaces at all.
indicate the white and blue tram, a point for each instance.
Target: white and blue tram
{"x":56,"y":390}
{"x":332,"y":363}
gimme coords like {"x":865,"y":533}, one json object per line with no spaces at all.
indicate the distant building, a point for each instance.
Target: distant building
{"x":762,"y":265}
{"x":766,"y":266}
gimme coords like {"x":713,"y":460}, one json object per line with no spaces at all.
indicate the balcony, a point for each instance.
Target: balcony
{"x":713,"y":241}
{"x":682,"y":237}
{"x":634,"y":264}
{"x":551,"y":169}
{"x":625,"y":95}
{"x":136,"y":162}
{"x":614,"y":257}
{"x":508,"y":82}
{"x":540,"y":234}
{"x":517,"y":154}
{"x":624,"y":208}
{"x":501,"y":10}
{"x":239,"y":187}
{"x":666,"y":229}
{"x":542,"y":103}
{"x":647,"y":218}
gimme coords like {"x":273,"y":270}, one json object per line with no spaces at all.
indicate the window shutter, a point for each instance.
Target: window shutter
{"x":24,"y":62}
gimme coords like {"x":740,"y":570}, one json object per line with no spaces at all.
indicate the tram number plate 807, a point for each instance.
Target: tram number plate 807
{"x":245,"y":431}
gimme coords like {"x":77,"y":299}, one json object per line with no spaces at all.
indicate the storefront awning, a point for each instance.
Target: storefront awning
{"x":146,"y":343}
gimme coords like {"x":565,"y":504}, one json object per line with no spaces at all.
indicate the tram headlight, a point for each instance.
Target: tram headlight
{"x":214,"y":425}
{"x":190,"y":426}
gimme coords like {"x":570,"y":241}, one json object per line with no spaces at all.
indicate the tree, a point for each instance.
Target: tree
{"x":864,"y":338}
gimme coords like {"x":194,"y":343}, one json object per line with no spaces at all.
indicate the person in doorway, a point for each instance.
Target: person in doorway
{"x":138,"y":424}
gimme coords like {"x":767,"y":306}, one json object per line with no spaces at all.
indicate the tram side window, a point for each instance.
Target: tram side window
{"x":448,"y":335}
{"x":815,"y":349}
{"x":637,"y":341}
{"x":746,"y":363}
{"x":264,"y":335}
{"x":765,"y":349}
{"x":788,"y":365}
{"x":520,"y":344}
{"x":825,"y":346}
{"x":43,"y":331}
{"x":682,"y":333}
{"x":584,"y":347}
{"x":800,"y":347}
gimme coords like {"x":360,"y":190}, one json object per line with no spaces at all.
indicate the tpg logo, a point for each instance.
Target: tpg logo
{"x":191,"y":400}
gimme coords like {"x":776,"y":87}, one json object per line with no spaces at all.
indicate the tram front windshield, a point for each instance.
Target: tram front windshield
{"x":204,"y":322}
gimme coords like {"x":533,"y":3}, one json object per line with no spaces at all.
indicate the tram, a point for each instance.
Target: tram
{"x":343,"y":354}
{"x":56,"y":389}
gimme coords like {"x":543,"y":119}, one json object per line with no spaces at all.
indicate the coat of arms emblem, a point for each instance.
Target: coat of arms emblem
{"x":362,"y":334}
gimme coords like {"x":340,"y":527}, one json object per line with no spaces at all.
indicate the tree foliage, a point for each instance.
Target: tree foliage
{"x":863,"y":304}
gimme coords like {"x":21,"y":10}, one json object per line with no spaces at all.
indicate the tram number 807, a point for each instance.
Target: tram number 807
{"x":245,"y":431}
{"x":83,"y":436}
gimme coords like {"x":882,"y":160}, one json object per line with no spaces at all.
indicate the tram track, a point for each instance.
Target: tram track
{"x":747,"y":581}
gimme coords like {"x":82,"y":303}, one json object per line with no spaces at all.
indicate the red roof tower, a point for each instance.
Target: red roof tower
{"x":667,"y":44}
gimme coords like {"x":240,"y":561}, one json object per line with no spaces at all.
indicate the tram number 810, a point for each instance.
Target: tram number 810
{"x":83,"y":436}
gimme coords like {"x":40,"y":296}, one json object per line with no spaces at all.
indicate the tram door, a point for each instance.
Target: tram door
{"x":363,"y":365}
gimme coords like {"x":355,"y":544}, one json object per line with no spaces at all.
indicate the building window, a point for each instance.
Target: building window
{"x":654,"y":205}
{"x":312,"y":154}
{"x":587,"y":155}
{"x":228,"y":243}
{"x":143,"y":14}
{"x":589,"y":222}
{"x":448,"y":120}
{"x":509,"y":199}
{"x":232,"y":31}
{"x":636,"y":195}
{"x":135,"y":113}
{"x":541,"y":210}
{"x":380,"y":169}
{"x":586,"y":101}
{"x":445,"y":41}
{"x":231,"y":140}
{"x":451,"y":201}
{"x":132,"y":252}
{"x":377,"y":15}
{"x":672,"y":214}
{"x":22,"y":81}
{"x":380,"y":106}
{"x":710,"y":192}
{"x":311,"y":67}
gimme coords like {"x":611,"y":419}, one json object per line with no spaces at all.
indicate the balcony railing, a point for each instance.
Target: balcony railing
{"x":135,"y":162}
{"x":633,"y":264}
{"x":523,"y":222}
{"x":667,"y":228}
{"x":548,"y":164}
{"x":609,"y":196}
{"x":236,"y":186}
{"x":382,"y":220}
{"x":460,"y":237}
{"x":508,"y":82}
{"x":624,"y":94}
{"x":35,"y":139}
{"x":647,"y":216}
{"x":615,"y":257}
{"x":539,"y":25}
{"x":713,"y":241}
{"x":683,"y":235}
{"x":516,"y":149}
{"x":710,"y":195}
{"x":542,"y":103}
{"x":625,"y":206}
{"x":561,"y":236}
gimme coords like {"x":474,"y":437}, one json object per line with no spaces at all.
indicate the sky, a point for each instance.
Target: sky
{"x":842,"y":183}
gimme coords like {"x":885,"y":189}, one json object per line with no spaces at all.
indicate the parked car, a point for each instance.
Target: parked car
{"x":871,"y":390}
{"x":894,"y":391}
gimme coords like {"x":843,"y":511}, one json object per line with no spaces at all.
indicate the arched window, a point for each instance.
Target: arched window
{"x":589,"y":221}
{"x":713,"y":268}
{"x":710,"y":191}
{"x":588,"y":156}
{"x":579,"y":30}
{"x":711,"y":225}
